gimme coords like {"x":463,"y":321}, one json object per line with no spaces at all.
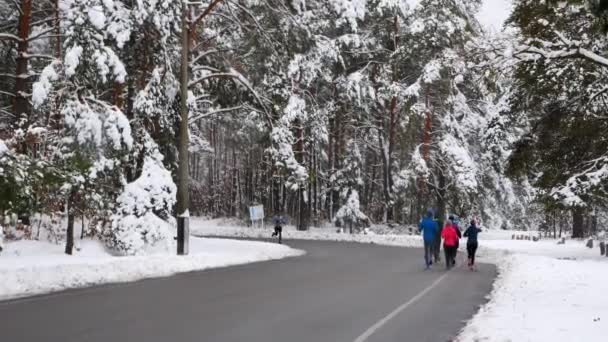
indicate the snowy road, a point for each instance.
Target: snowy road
{"x":337,"y":292}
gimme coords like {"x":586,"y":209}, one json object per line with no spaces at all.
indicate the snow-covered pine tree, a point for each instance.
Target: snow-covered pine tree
{"x":347,"y":181}
{"x":350,"y":214}
{"x":98,"y":145}
{"x":559,"y":88}
{"x":444,"y":92}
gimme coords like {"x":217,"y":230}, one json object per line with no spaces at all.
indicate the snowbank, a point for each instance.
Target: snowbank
{"x":537,"y":298}
{"x":544,"y":291}
{"x":34,"y":267}
{"x":231,"y":228}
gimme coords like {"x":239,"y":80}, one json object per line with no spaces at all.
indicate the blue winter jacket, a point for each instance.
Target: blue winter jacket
{"x":429,"y":228}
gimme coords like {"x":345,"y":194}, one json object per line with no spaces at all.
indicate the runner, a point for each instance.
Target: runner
{"x":454,"y":220}
{"x":278,"y":221}
{"x":429,"y":229}
{"x":450,"y":239}
{"x":437,"y":242}
{"x":472,"y":244}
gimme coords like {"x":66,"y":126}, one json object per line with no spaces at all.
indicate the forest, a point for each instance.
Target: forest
{"x":125,"y":114}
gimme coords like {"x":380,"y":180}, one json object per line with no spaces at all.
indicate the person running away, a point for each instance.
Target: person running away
{"x":429,"y":229}
{"x":450,"y":241}
{"x":279,"y":221}
{"x":437,"y":242}
{"x":472,"y":244}
{"x":455,"y":225}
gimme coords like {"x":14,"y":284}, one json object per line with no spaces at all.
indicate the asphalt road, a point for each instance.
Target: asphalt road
{"x":337,"y":292}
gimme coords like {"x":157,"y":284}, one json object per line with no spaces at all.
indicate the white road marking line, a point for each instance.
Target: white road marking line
{"x":369,"y":332}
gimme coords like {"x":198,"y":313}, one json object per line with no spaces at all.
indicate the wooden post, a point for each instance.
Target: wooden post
{"x":183,"y":198}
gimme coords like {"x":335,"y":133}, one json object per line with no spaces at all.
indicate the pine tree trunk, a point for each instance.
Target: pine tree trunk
{"x":578,"y":223}
{"x":69,"y":241}
{"x":303,"y":212}
{"x":441,"y":205}
{"x":21,"y":104}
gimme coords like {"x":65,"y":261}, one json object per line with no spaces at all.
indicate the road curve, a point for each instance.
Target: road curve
{"x":337,"y":292}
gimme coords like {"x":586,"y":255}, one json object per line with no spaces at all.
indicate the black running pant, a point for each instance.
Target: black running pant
{"x":471,"y":249}
{"x":278,"y":231}
{"x":450,"y":255}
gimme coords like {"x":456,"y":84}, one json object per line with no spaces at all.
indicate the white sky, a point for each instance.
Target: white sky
{"x":494,"y":13}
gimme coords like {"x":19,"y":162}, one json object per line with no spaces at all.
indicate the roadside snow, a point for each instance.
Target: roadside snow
{"x":538,"y":298}
{"x":544,"y":292}
{"x":33,"y":267}
{"x":227,"y":228}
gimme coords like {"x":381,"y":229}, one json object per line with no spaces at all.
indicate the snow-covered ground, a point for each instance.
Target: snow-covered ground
{"x":232,"y":228}
{"x":34,"y":267}
{"x":544,"y":292}
{"x":537,"y":298}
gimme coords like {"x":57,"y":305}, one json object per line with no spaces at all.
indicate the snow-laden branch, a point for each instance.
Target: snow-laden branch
{"x":203,"y":55}
{"x":233,"y":74}
{"x":41,"y":34}
{"x":7,"y":93}
{"x":193,"y":119}
{"x":206,"y":68}
{"x":205,"y":13}
{"x":40,"y":56}
{"x":569,"y":49}
{"x":211,"y":76}
{"x":8,"y":36}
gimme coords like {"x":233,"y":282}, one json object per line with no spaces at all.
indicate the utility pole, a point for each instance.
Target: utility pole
{"x":183,"y":196}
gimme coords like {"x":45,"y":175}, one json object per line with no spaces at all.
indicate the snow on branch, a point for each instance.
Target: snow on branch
{"x":8,"y":36}
{"x":193,"y":119}
{"x":566,"y":49}
{"x":205,"y":13}
{"x":233,"y":74}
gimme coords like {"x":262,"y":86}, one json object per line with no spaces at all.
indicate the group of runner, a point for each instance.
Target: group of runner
{"x":433,"y":233}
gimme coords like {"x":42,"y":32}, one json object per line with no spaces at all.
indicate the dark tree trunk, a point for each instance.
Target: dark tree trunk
{"x":441,"y":204}
{"x":69,"y":241}
{"x":578,"y":223}
{"x":82,"y":228}
{"x":303,"y":212}
{"x":183,"y":174}
{"x":20,"y":104}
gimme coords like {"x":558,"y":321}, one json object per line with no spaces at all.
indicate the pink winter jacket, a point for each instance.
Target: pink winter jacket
{"x":449,"y":235}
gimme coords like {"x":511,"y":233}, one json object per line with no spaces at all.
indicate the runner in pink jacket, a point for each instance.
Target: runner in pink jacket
{"x":450,"y":243}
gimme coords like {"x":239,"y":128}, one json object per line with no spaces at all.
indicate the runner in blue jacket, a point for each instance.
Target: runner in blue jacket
{"x":429,"y":229}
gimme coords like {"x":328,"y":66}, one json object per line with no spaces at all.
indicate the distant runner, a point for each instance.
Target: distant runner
{"x":278,"y":220}
{"x":429,"y":229}
{"x":472,"y":244}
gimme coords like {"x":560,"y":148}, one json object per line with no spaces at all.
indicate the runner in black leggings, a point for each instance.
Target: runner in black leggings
{"x":472,"y":244}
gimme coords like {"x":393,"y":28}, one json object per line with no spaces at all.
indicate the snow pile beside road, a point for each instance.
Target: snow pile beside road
{"x":537,"y":298}
{"x":34,"y":267}
{"x":227,"y":228}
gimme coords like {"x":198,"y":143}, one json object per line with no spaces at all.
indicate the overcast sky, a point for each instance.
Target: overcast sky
{"x":494,"y":13}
